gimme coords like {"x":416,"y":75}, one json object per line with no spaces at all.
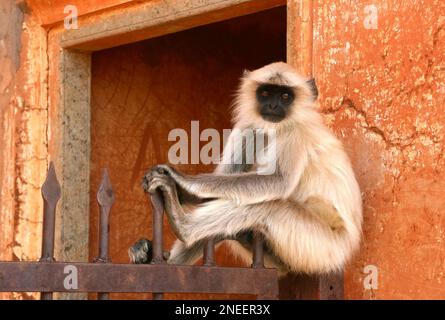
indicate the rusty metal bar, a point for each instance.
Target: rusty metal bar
{"x":105,"y":199}
{"x":157,"y":203}
{"x":258,"y":250}
{"x":51,"y":194}
{"x":312,"y":287}
{"x":209,"y":253}
{"x":108,"y":277}
{"x":332,"y":286}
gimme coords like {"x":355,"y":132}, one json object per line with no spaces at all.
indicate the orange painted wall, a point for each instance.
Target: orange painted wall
{"x":52,"y":11}
{"x":142,"y":91}
{"x":382,"y":91}
{"x":23,"y":152}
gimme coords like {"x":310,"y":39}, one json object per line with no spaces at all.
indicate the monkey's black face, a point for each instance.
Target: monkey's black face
{"x":274,"y":101}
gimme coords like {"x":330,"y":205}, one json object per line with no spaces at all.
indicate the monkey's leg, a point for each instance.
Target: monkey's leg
{"x":243,"y":246}
{"x":222,"y":218}
{"x":227,"y":219}
{"x":286,"y":226}
{"x":300,"y":240}
{"x":182,"y":254}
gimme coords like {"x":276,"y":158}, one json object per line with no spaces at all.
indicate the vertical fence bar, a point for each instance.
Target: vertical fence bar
{"x":51,"y":194}
{"x":157,"y":203}
{"x":258,"y":262}
{"x":105,"y":199}
{"x":209,"y":253}
{"x":258,"y":251}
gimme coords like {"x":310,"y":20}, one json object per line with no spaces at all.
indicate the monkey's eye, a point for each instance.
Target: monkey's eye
{"x":285,"y":96}
{"x":265,"y":93}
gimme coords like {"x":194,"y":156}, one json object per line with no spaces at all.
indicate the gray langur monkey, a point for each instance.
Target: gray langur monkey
{"x":309,"y":210}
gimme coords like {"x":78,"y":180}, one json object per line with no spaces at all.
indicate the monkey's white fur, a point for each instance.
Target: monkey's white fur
{"x":316,"y":165}
{"x":312,"y":221}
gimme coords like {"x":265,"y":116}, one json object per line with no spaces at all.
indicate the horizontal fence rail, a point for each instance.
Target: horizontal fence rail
{"x":102,"y":276}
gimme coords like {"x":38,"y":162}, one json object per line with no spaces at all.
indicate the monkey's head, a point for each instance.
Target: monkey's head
{"x":272,"y":96}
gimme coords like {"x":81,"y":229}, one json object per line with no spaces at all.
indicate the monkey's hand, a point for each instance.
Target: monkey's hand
{"x":157,"y":177}
{"x":172,"y":176}
{"x":166,"y":170}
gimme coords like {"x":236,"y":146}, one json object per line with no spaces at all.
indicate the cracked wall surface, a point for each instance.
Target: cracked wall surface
{"x":382,"y":91}
{"x":9,"y":63}
{"x":23,"y":89}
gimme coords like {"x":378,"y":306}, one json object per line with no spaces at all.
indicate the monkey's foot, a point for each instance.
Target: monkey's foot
{"x":141,"y":252}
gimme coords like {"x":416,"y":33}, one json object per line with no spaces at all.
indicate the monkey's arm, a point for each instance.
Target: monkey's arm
{"x":187,"y":198}
{"x":240,"y":187}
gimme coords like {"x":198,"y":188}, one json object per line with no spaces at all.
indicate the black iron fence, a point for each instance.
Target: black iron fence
{"x":102,"y":276}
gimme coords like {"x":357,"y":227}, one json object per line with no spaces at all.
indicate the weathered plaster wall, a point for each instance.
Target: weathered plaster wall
{"x":382,"y":90}
{"x":10,"y":33}
{"x":142,"y":91}
{"x":23,"y":132}
{"x":9,"y":63}
{"x":52,"y":11}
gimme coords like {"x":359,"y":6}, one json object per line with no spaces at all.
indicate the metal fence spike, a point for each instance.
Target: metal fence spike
{"x":105,"y":199}
{"x":105,"y":195}
{"x":51,"y":190}
{"x":51,"y":193}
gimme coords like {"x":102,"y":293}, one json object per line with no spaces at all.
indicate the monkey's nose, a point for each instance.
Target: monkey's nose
{"x":273,"y":106}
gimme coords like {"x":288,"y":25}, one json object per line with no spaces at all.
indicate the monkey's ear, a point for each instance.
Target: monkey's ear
{"x":245,"y":72}
{"x":313,"y":86}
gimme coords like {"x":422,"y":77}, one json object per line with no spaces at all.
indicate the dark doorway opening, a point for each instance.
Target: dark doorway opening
{"x":143,"y":90}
